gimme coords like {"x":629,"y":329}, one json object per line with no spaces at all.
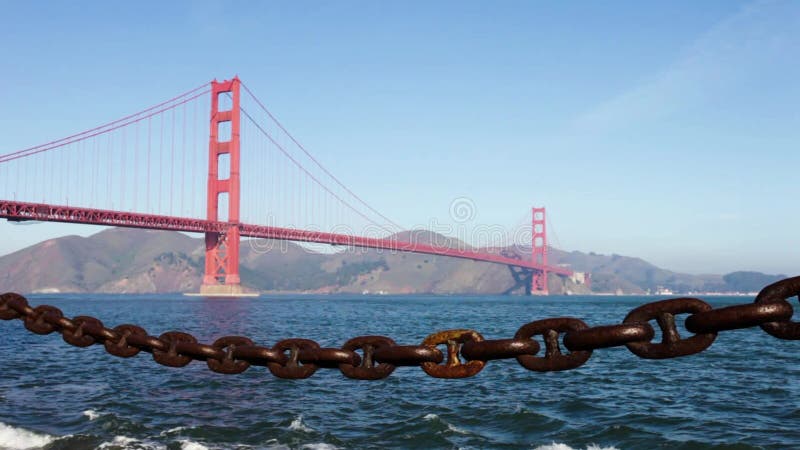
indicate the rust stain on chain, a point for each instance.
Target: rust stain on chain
{"x":453,"y":368}
{"x":380,"y":355}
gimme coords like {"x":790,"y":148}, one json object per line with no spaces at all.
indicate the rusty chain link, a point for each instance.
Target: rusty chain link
{"x":379,"y":355}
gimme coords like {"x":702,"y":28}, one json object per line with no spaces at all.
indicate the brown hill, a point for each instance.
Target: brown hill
{"x":138,"y":261}
{"x":116,"y":260}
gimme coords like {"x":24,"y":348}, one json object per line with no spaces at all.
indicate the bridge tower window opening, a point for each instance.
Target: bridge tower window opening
{"x":224,"y":101}
{"x":223,"y":207}
{"x":224,"y":166}
{"x":224,"y":131}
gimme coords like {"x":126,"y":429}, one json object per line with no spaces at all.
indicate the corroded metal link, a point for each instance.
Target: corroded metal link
{"x":300,"y":358}
{"x":328,"y":358}
{"x":148,"y":343}
{"x":499,"y":349}
{"x":6,"y":311}
{"x":739,"y":316}
{"x":408,"y":355}
{"x":227,"y":364}
{"x":671,"y":345}
{"x":77,"y":336}
{"x":14,"y":306}
{"x":782,"y":290}
{"x":453,"y":368}
{"x":366,"y":369}
{"x":38,"y":322}
{"x":198,"y":351}
{"x":293,"y":369}
{"x":56,"y":318}
{"x":99,"y":332}
{"x":171,"y":357}
{"x":259,"y":356}
{"x":553,"y":360}
{"x":120,"y":344}
{"x":608,"y":336}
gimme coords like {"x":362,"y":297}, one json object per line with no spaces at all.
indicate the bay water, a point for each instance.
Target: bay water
{"x":741,"y":393}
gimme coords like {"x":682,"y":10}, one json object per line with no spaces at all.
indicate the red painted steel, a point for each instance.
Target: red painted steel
{"x":19,"y":211}
{"x":539,"y":251}
{"x":222,"y":248}
{"x":22,"y":211}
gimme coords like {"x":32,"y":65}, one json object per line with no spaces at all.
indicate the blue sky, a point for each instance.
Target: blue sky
{"x":668,"y":132}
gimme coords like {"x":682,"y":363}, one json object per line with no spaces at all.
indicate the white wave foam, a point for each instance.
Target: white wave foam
{"x":559,"y":446}
{"x":172,"y":430}
{"x":13,"y":438}
{"x":450,"y":426}
{"x":124,"y":442}
{"x":319,"y":446}
{"x":189,"y":445}
{"x":91,"y":414}
{"x":455,"y":429}
{"x":298,"y":425}
{"x":273,"y":444}
{"x":117,"y":442}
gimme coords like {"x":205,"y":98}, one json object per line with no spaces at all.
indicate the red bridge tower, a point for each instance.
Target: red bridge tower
{"x":222,"y":248}
{"x":539,"y":252}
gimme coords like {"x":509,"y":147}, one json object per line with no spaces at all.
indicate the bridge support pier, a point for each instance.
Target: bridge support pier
{"x":222,"y":255}
{"x":523,"y":278}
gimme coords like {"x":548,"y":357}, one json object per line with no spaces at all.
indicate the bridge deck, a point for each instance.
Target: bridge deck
{"x":23,"y":211}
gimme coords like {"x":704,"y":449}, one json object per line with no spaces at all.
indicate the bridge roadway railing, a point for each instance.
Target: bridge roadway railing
{"x":25,"y":211}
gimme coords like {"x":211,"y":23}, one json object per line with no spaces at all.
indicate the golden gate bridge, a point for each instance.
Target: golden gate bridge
{"x":145,"y":170}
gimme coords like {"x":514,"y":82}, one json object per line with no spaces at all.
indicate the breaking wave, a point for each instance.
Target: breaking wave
{"x":298,"y":425}
{"x":14,"y":438}
{"x":558,"y":446}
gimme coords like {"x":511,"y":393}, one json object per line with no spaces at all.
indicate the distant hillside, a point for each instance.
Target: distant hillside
{"x":116,"y":260}
{"x":138,"y":261}
{"x":634,"y":275}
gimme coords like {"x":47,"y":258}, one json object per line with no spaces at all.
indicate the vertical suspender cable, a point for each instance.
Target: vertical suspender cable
{"x":136,"y":167}
{"x":183,"y":162}
{"x":171,"y":185}
{"x":149,"y":166}
{"x":123,"y":157}
{"x":108,"y":169}
{"x":160,"y":191}
{"x":194,"y":151}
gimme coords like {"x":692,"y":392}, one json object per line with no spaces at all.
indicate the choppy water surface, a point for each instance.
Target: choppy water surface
{"x":741,"y":393}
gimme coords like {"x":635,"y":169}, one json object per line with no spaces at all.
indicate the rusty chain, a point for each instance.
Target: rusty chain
{"x":379,"y":355}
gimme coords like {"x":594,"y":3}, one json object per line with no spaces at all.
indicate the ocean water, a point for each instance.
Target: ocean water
{"x":742,"y":393}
